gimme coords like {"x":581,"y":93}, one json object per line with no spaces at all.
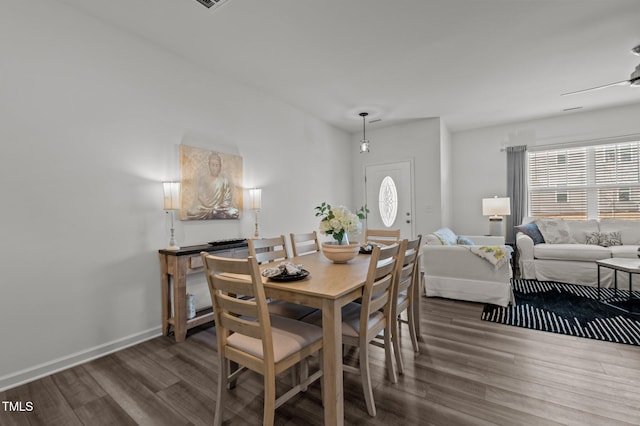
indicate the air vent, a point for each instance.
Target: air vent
{"x":211,"y":3}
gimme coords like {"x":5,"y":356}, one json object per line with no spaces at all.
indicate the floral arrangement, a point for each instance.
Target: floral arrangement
{"x":337,"y":221}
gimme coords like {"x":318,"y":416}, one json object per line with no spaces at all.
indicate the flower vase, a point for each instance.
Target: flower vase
{"x":340,"y":251}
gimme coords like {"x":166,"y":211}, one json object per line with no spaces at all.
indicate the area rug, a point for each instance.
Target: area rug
{"x":569,"y":309}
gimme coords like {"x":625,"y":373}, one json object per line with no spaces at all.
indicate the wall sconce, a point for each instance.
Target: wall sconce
{"x":171,"y":204}
{"x":496,"y":208}
{"x":255,"y":204}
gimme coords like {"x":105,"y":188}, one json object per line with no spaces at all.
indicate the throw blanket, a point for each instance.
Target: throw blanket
{"x":496,"y":255}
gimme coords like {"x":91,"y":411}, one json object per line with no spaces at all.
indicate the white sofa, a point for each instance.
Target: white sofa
{"x":572,"y":258}
{"x":453,"y":271}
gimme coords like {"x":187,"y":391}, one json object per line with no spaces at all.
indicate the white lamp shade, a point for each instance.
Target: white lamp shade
{"x":255,"y":198}
{"x":171,"y":195}
{"x":496,"y":206}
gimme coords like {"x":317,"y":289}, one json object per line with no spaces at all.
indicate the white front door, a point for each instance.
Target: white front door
{"x":389,"y":190}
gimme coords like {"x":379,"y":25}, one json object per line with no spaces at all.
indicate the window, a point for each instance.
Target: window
{"x":388,"y":201}
{"x":600,"y":181}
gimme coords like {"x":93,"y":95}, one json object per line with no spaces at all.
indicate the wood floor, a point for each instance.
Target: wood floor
{"x":468,"y":372}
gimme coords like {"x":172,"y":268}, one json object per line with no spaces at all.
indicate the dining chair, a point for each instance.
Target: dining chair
{"x":304,"y":243}
{"x":268,"y":249}
{"x":382,"y":236}
{"x":406,"y":277}
{"x":271,"y":250}
{"x":361,"y":323}
{"x":249,"y":336}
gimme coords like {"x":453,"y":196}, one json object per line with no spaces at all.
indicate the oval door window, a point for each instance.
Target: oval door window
{"x":388,"y":201}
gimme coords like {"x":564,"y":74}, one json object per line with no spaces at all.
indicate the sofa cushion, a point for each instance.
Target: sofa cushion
{"x":593,"y":238}
{"x":531,"y":229}
{"x":630,"y":251}
{"x":581,"y":252}
{"x":578,"y":229}
{"x":447,"y":237}
{"x":608,"y":239}
{"x":464,"y":241}
{"x":554,"y":231}
{"x":629,"y":229}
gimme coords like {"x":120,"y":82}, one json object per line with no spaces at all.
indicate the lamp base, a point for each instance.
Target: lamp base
{"x":495,"y":226}
{"x":172,"y":248}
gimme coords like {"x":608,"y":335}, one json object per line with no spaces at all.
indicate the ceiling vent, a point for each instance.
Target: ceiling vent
{"x":211,"y":3}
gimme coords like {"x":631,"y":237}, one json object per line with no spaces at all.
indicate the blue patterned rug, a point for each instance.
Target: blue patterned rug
{"x":569,"y":309}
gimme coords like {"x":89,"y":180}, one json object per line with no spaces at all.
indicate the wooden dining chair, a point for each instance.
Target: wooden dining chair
{"x":304,"y":243}
{"x":271,"y":250}
{"x":361,"y":323}
{"x":249,"y":336}
{"x":382,"y":236}
{"x":406,"y":277}
{"x":267,"y":250}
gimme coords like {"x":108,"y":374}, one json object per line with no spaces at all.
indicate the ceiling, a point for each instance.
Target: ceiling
{"x":474,"y":63}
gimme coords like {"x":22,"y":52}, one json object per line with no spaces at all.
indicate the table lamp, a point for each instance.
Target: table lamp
{"x":495,"y":208}
{"x":171,"y":204}
{"x":255,"y":204}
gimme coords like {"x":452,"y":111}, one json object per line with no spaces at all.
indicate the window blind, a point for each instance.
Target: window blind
{"x":586,"y":182}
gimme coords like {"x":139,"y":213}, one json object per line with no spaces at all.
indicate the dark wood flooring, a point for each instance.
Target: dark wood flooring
{"x":468,"y":372}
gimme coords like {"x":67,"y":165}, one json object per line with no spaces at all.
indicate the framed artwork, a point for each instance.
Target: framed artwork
{"x":211,"y":184}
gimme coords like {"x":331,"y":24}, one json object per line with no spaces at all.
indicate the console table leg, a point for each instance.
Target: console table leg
{"x":180,"y":300}
{"x":166,"y":304}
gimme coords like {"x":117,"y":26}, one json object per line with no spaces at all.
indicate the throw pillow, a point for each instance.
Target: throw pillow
{"x":531,"y":229}
{"x":608,"y":239}
{"x":593,"y":238}
{"x":464,"y":241}
{"x":554,"y":231}
{"x":446,"y":236}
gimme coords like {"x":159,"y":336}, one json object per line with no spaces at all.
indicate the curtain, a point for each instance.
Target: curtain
{"x":516,"y":188}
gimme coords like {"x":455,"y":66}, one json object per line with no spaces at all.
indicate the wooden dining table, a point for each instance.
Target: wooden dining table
{"x":329,"y":287}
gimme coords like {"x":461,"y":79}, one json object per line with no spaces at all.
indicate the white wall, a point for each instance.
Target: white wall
{"x":91,"y":123}
{"x":480,"y":167}
{"x":417,"y":140}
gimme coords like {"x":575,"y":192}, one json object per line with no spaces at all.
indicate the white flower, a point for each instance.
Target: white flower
{"x":337,"y":220}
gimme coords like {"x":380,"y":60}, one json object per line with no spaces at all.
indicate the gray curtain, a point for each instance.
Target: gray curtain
{"x":516,"y":188}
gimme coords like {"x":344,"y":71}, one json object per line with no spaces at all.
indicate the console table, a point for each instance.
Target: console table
{"x":175,"y":265}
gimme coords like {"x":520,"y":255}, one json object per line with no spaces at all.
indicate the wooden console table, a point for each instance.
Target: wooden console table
{"x":175,"y":266}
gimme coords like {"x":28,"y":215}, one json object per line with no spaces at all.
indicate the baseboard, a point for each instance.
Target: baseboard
{"x":30,"y":374}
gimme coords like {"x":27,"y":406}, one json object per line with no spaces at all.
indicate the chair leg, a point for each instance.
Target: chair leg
{"x":304,"y":373}
{"x":365,"y":377}
{"x":295,"y":379}
{"x":268,"y":416}
{"x":223,"y":373}
{"x":388,"y":353}
{"x":412,"y":328}
{"x":395,"y":338}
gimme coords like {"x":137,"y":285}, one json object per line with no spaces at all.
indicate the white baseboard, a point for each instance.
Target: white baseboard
{"x":33,"y":373}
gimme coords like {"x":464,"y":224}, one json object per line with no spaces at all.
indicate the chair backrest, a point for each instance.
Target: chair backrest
{"x":304,"y":243}
{"x":227,"y":277}
{"x":408,"y":267}
{"x":380,"y":280}
{"x":267,"y":250}
{"x":382,"y":236}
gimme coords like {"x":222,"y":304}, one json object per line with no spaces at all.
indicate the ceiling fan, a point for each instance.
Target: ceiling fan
{"x":634,"y":80}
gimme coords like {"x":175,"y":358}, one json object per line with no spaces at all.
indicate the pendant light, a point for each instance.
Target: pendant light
{"x":364,"y":143}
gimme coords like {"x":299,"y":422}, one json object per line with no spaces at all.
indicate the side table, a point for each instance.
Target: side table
{"x":175,"y":265}
{"x":628,"y":265}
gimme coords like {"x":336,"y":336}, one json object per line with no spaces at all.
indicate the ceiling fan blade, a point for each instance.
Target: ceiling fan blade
{"x":597,"y":88}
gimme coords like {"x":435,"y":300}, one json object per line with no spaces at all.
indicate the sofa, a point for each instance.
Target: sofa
{"x":462,"y":268}
{"x":567,"y":250}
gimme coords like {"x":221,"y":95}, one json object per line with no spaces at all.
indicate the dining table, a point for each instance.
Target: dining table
{"x":329,"y":286}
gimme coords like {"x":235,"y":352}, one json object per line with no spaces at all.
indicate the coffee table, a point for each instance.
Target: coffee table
{"x":628,"y":265}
